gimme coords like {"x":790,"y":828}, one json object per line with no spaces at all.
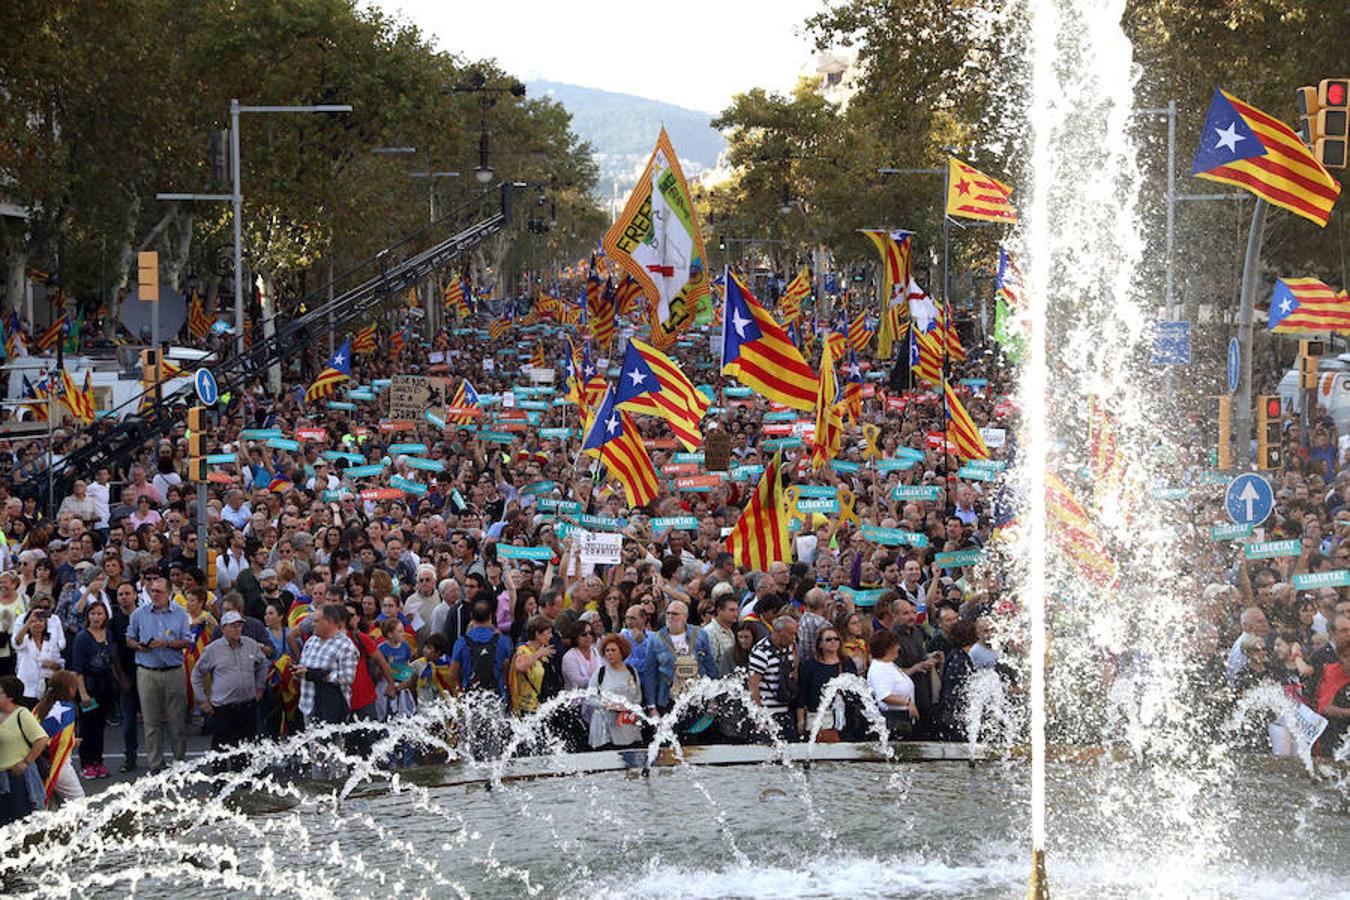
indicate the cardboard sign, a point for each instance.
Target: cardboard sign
{"x":412,"y":395}
{"x":602,"y":549}
{"x":915,"y":492}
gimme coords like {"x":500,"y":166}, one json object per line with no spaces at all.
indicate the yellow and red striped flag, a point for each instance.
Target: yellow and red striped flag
{"x":537,"y":358}
{"x":498,"y":327}
{"x":652,"y":383}
{"x":627,"y":295}
{"x":75,"y":400}
{"x":366,"y":340}
{"x":858,"y":334}
{"x":1107,"y":463}
{"x":961,"y":428}
{"x":760,"y":536}
{"x":48,"y":338}
{"x":199,"y":323}
{"x":1241,"y":145}
{"x":925,"y":355}
{"x":971,"y":194}
{"x":955,"y":351}
{"x":896,"y":251}
{"x":1306,"y":304}
{"x":465,"y":397}
{"x":59,"y":723}
{"x":829,"y":415}
{"x":600,"y":308}
{"x":338,"y":370}
{"x":613,"y":438}
{"x":455,"y":302}
{"x":798,"y":289}
{"x":1073,"y":532}
{"x":757,"y":353}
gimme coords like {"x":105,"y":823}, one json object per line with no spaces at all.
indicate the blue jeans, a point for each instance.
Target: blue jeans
{"x":130,"y":703}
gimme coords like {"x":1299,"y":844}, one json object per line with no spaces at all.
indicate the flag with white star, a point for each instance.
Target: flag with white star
{"x":653,"y":384}
{"x":1306,"y":304}
{"x":1241,"y":145}
{"x":757,"y":352}
{"x":613,"y":438}
{"x":339,"y":369}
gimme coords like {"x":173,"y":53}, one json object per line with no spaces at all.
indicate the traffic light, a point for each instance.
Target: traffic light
{"x":1326,"y":120}
{"x":1269,"y":432}
{"x":1309,"y":352}
{"x":220,"y":156}
{"x":147,"y":275}
{"x":198,"y":422}
{"x":1225,"y":455}
{"x":149,"y":365}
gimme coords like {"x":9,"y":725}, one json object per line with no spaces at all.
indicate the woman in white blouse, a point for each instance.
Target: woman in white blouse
{"x":893,"y":689}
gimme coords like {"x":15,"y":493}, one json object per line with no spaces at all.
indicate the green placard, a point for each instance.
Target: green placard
{"x":220,"y":459}
{"x":1272,"y":549}
{"x":334,"y":455}
{"x":682,"y":523}
{"x":539,"y":487}
{"x":895,"y":537}
{"x":331,"y":496}
{"x":410,"y":447}
{"x":960,"y":558}
{"x":845,"y":467}
{"x":816,"y":490}
{"x":828,"y":506}
{"x":407,"y":485}
{"x":496,"y":437}
{"x":1229,"y":532}
{"x":780,"y":443}
{"x":283,"y":444}
{"x":374,"y":471}
{"x":1309,"y":581}
{"x":971,"y":473}
{"x":787,"y":415}
{"x":745,"y":473}
{"x":914,"y":492}
{"x":737,"y":391}
{"x":551,"y":433}
{"x":512,"y":551}
{"x":426,"y":465}
{"x":896,"y":465}
{"x":259,"y":434}
{"x":601,"y":523}
{"x":863,"y":598}
{"x":342,"y":405}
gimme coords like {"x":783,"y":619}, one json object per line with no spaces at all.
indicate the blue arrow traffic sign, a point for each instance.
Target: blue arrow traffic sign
{"x":1234,"y":364}
{"x":1249,"y":499}
{"x":205,"y":382}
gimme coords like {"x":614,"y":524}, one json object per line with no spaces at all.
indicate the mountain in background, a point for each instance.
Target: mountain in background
{"x":622,"y":130}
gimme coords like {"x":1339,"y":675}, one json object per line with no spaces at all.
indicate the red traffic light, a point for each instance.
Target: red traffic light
{"x":1336,"y":93}
{"x":1272,"y":407}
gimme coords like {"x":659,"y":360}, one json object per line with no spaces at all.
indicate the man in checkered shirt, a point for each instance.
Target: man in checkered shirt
{"x":327,"y":668}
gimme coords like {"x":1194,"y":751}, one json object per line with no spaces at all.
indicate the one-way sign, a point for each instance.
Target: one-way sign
{"x":1249,"y":499}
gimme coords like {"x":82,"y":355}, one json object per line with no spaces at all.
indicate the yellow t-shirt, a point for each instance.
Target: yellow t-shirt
{"x":17,"y":733}
{"x":524,"y":686}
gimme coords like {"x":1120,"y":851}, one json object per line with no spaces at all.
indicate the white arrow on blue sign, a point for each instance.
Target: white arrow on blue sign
{"x":205,"y":382}
{"x":1249,"y":499}
{"x":1234,"y":364}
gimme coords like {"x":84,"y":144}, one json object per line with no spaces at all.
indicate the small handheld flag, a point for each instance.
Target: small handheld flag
{"x":339,"y":370}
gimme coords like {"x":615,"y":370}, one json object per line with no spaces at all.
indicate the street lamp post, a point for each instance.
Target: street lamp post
{"x":237,"y":196}
{"x":433,"y":307}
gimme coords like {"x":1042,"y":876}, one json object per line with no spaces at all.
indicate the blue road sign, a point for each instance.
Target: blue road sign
{"x":205,"y":382}
{"x":1234,"y":364}
{"x":1249,"y":499}
{"x":831,"y":283}
{"x":1171,"y":344}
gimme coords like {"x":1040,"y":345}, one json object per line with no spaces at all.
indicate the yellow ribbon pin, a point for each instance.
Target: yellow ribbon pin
{"x":872,"y":434}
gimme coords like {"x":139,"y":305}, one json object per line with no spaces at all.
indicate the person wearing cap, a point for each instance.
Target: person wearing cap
{"x":238,"y":670}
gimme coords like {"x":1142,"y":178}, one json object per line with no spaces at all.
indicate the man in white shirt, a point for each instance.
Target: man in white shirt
{"x":237,"y":512}
{"x":101,"y":494}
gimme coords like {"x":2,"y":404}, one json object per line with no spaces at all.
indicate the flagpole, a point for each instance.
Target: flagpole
{"x":1242,"y":418}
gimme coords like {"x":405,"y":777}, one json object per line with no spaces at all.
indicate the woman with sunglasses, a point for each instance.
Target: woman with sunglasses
{"x":824,"y":666}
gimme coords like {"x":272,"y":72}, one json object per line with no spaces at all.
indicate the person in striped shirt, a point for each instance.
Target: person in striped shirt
{"x":773,"y":674}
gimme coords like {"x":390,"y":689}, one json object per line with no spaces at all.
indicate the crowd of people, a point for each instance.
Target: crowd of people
{"x":323,"y":604}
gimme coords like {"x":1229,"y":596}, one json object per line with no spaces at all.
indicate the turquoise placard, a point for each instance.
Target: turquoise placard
{"x":975,"y":382}
{"x":746,"y":473}
{"x":737,"y":391}
{"x":816,"y":490}
{"x":551,"y":433}
{"x":716,"y":410}
{"x":363,"y":396}
{"x":1309,"y":581}
{"x":331,"y":496}
{"x":688,"y":457}
{"x":220,"y":459}
{"x":1229,"y":532}
{"x":1211,"y":476}
{"x":434,"y":419}
{"x":426,"y":465}
{"x":971,"y":473}
{"x":914,"y":492}
{"x":333,"y":455}
{"x":512,"y":551}
{"x":554,"y":504}
{"x":562,"y":401}
{"x":787,"y":415}
{"x":283,"y":444}
{"x":407,"y":485}
{"x":532,"y":404}
{"x":960,"y":558}
{"x":894,"y":537}
{"x":780,"y":443}
{"x":845,"y":467}
{"x":829,"y":507}
{"x":342,"y":405}
{"x":496,"y":437}
{"x":601,"y":523}
{"x":895,"y":465}
{"x":990,"y":465}
{"x":875,"y":376}
{"x":863,"y":598}
{"x":409,"y":447}
{"x":707,"y":391}
{"x":696,"y":489}
{"x":260,"y":434}
{"x":908,"y":453}
{"x":682,"y":523}
{"x":1272,"y":549}
{"x":539,"y":487}
{"x":382,"y":383}
{"x":1171,"y":493}
{"x":374,"y":471}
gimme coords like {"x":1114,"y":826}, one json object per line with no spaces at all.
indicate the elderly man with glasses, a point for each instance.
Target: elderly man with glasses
{"x":159,"y":633}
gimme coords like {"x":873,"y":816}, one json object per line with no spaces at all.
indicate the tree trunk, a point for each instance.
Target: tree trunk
{"x":14,"y":246}
{"x":121,"y":279}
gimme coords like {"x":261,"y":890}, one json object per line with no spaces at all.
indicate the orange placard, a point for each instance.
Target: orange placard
{"x":659,"y":443}
{"x":396,"y":425}
{"x":220,"y":478}
{"x":385,"y":493}
{"x":462,"y":411}
{"x":513,"y":426}
{"x":694,"y":481}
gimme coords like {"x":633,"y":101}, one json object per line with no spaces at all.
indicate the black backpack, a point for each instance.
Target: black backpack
{"x":483,"y":663}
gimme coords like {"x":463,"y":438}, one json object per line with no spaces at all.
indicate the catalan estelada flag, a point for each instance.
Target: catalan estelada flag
{"x":971,"y":194}
{"x":456,"y":304}
{"x":37,"y":392}
{"x":339,"y":369}
{"x":602,"y":310}
{"x":497,"y":328}
{"x":952,"y":340}
{"x":757,"y":353}
{"x":829,"y":415}
{"x":396,"y":342}
{"x":1306,"y":304}
{"x":1241,"y":145}
{"x":14,"y":346}
{"x":365,"y":340}
{"x":961,"y":428}
{"x":896,"y":251}
{"x":465,"y":398}
{"x":798,"y":289}
{"x":925,"y":355}
{"x":81,"y":406}
{"x":199,"y":323}
{"x":859,"y":334}
{"x":627,"y":295}
{"x":614,"y":439}
{"x":760,"y":536}
{"x":652,"y":383}
{"x":48,"y":338}
{"x":853,"y":387}
{"x":60,"y":727}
